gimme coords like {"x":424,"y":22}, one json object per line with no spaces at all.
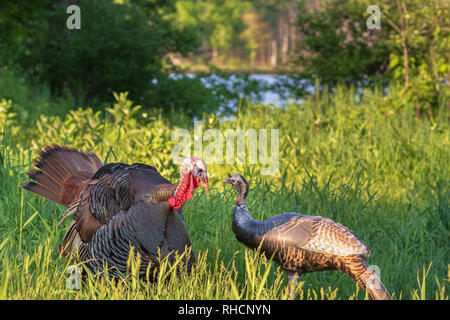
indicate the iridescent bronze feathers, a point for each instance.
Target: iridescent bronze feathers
{"x":113,"y":206}
{"x":301,"y":243}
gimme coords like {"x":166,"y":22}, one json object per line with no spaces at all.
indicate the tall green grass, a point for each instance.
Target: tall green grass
{"x":381,"y":172}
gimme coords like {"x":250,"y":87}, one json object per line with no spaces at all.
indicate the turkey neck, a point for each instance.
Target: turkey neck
{"x":181,"y":186}
{"x":247,"y":229}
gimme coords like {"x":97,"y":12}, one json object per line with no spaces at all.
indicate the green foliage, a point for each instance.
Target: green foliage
{"x":29,"y":101}
{"x":123,"y":127}
{"x":338,"y":47}
{"x":418,"y":36}
{"x":411,"y":48}
{"x":218,"y":22}
{"x":7,"y":117}
{"x":184,"y":93}
{"x":120,"y":47}
{"x":90,"y":61}
{"x":15,"y":21}
{"x":377,"y":170}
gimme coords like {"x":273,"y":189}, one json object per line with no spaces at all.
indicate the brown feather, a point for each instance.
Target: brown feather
{"x":101,"y":198}
{"x":40,"y":190}
{"x":300,"y":243}
{"x":49,"y":171}
{"x":73,"y":185}
{"x":71,"y":210}
{"x":45,"y":180}
{"x":86,"y":223}
{"x":358,"y":269}
{"x":63,"y":173}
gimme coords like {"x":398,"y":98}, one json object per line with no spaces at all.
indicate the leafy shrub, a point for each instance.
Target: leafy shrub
{"x":30,"y":100}
{"x":120,"y":47}
{"x":324,"y":130}
{"x":6,"y":116}
{"x":338,"y":47}
{"x":122,"y":133}
{"x":185,"y":94}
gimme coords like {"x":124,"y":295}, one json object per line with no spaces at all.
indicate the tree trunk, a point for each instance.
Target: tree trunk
{"x":405,"y":61}
{"x":433,"y":65}
{"x":283,"y":32}
{"x":293,"y":15}
{"x":418,"y":113}
{"x":263,"y":56}
{"x":253,"y":57}
{"x":273,"y":57}
{"x":215,"y":54}
{"x":403,"y":14}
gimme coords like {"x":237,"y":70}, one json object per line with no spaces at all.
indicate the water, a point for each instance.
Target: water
{"x":267,"y":89}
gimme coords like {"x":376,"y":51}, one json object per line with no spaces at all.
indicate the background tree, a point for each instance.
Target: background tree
{"x":337,"y":46}
{"x":256,"y":35}
{"x":15,"y":19}
{"x":121,"y":46}
{"x":217,"y":22}
{"x":419,"y":37}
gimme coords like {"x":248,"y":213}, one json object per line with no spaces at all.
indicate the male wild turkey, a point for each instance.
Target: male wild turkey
{"x":300,"y":243}
{"x":116,"y":206}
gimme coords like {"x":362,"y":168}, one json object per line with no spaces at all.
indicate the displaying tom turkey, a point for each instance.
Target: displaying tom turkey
{"x":116,"y":206}
{"x":300,"y":243}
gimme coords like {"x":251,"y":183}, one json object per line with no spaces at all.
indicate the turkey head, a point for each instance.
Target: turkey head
{"x":192,"y":174}
{"x":241,"y":186}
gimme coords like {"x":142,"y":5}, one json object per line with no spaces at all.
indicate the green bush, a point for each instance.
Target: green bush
{"x":338,"y":47}
{"x":183,"y":93}
{"x":115,"y":49}
{"x":29,"y":101}
{"x":120,"y":47}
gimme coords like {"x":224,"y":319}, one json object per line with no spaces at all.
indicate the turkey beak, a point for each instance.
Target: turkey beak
{"x":227,"y":180}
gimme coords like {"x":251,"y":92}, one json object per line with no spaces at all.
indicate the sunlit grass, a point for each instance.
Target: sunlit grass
{"x":384,"y":175}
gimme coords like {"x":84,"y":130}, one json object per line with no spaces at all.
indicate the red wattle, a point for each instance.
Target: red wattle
{"x":185,"y":191}
{"x":172,"y":201}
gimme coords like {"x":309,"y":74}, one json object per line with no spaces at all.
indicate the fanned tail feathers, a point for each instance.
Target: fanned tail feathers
{"x":61,"y":173}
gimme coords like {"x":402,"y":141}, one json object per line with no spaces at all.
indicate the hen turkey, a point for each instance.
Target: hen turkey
{"x":115,"y":207}
{"x":300,"y":243}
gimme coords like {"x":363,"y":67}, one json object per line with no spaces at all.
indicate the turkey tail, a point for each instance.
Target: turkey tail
{"x":61,"y":173}
{"x":358,"y":269}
